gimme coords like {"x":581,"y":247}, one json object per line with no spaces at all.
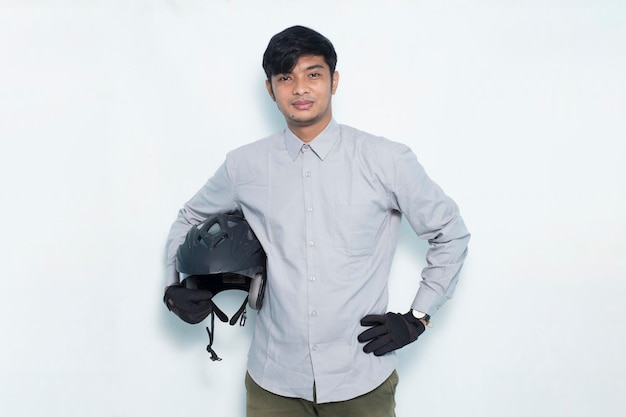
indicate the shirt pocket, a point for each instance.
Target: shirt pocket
{"x":356,"y":229}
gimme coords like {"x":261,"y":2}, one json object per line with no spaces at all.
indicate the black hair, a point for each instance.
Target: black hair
{"x":287,"y":46}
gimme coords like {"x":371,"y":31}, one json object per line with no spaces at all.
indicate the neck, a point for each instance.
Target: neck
{"x":306,"y":133}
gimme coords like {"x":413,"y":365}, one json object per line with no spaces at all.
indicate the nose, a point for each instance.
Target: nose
{"x":300,"y":86}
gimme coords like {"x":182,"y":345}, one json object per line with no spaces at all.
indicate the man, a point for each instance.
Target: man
{"x":326,"y":200}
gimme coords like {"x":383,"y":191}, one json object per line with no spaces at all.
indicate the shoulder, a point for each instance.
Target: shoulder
{"x":369,"y":143}
{"x":256,"y":148}
{"x":249,"y":162}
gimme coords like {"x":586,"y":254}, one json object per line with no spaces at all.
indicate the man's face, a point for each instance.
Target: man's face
{"x":303,"y":95}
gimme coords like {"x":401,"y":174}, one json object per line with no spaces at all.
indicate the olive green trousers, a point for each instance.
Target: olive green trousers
{"x":377,"y":403}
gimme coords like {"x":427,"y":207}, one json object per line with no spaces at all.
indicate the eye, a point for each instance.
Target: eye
{"x":284,"y":78}
{"x":315,"y":75}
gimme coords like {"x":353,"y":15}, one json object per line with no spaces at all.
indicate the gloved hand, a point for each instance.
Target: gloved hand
{"x":191,"y":305}
{"x":389,"y":331}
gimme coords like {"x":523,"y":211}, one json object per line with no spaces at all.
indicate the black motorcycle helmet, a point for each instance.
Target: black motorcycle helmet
{"x":223,"y":253}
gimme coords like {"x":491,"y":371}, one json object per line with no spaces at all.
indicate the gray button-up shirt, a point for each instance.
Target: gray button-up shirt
{"x":328,"y":213}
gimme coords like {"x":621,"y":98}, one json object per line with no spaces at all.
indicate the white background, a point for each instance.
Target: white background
{"x":113,"y":113}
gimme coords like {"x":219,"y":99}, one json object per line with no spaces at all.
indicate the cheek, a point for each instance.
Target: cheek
{"x":281,"y":102}
{"x":280,"y":96}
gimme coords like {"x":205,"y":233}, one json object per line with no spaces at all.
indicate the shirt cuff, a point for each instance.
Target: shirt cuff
{"x":171,"y":276}
{"x":427,"y":301}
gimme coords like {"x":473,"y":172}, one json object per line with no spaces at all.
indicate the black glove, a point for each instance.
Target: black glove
{"x":389,"y":331}
{"x":191,"y":305}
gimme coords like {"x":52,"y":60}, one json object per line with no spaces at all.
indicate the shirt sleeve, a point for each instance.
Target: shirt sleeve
{"x":435,"y":217}
{"x":216,"y":196}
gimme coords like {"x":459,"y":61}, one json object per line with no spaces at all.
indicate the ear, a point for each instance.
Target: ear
{"x":270,"y":90}
{"x":335,"y":82}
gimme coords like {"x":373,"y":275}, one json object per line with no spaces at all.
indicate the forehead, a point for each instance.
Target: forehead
{"x":309,"y":62}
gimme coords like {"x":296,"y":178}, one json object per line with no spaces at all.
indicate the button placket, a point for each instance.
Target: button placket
{"x":308,"y":186}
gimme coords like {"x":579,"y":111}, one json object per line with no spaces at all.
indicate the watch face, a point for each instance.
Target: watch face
{"x":418,"y":314}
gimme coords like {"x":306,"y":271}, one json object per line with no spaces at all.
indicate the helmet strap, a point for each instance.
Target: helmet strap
{"x":211,"y":333}
{"x":216,"y":311}
{"x":241,"y":312}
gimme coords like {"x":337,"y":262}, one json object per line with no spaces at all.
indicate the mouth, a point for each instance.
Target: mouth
{"x":302,"y":104}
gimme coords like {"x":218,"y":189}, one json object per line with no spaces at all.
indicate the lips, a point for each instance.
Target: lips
{"x":302,"y":104}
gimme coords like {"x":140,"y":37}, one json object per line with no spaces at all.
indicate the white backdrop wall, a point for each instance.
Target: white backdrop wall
{"x":113,"y":113}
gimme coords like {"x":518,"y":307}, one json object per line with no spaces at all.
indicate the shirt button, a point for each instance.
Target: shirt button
{"x":311,"y":243}
{"x":309,"y":208}
{"x":305,"y":148}
{"x":307,"y":174}
{"x":314,"y":348}
{"x":313,"y":279}
{"x":314,"y":314}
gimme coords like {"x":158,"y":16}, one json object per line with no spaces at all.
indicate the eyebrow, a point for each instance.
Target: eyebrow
{"x":309,"y":68}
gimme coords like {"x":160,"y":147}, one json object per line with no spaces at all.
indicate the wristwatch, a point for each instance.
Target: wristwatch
{"x":422,"y":316}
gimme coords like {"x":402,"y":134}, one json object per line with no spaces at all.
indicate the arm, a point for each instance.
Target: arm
{"x":216,"y":196}
{"x":435,"y":217}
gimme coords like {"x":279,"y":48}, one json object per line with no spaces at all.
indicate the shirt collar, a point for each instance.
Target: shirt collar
{"x":321,"y":145}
